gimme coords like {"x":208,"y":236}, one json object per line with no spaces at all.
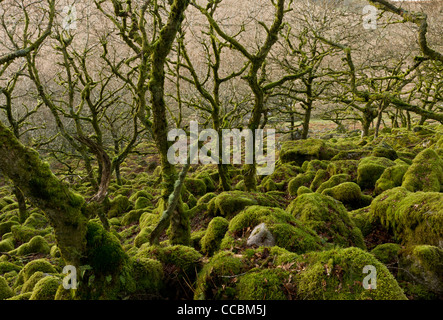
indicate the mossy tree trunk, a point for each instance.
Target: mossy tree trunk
{"x":156,"y":87}
{"x":34,"y":178}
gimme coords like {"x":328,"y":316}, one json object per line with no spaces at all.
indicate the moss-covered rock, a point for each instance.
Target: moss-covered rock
{"x":266,"y":284}
{"x":302,"y":179}
{"x":370,"y":169}
{"x":6,"y":266}
{"x":32,"y":267}
{"x":384,"y":151}
{"x":37,"y":221}
{"x":5,"y":227}
{"x":197,"y":187}
{"x":217,"y":228}
{"x":387,"y":253}
{"x":288,"y":233}
{"x":45,"y":289}
{"x":425,"y":173}
{"x":7,"y":245}
{"x":148,"y":275}
{"x":25,"y":234}
{"x":348,"y":167}
{"x":328,"y":218}
{"x":5,"y":291}
{"x":348,"y":193}
{"x":303,"y":190}
{"x":215,"y":279}
{"x":333,"y":181}
{"x":142,"y":203}
{"x":228,"y":203}
{"x":423,"y":265}
{"x":278,"y":180}
{"x":29,"y":284}
{"x":37,"y":244}
{"x":320,"y":176}
{"x":338,"y":275}
{"x":414,"y":218}
{"x":392,"y":177}
{"x":299,"y":151}
{"x":119,"y":205}
{"x":362,"y":219}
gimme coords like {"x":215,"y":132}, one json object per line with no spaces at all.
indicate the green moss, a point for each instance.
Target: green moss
{"x":142,"y":237}
{"x":425,"y":173}
{"x":55,"y":252}
{"x":119,"y":205}
{"x":328,"y":218}
{"x":333,"y":181}
{"x":348,"y":167}
{"x":25,"y":234}
{"x":196,"y":186}
{"x":288,"y":233}
{"x":36,"y":220}
{"x":215,"y":281}
{"x":348,"y":193}
{"x":385,"y":152}
{"x":5,"y":291}
{"x":37,"y":244}
{"x":6,"y":266}
{"x":302,"y":179}
{"x":414,"y":218}
{"x":387,"y":253}
{"x":103,"y":250}
{"x":31,"y":267}
{"x":141,"y":193}
{"x":303,"y":190}
{"x":423,"y":265}
{"x":263,"y":285}
{"x":391,"y":177}
{"x":6,"y":245}
{"x":142,"y":203}
{"x":320,"y":176}
{"x":29,"y":284}
{"x":338,"y":275}
{"x":370,"y":169}
{"x":278,"y":180}
{"x":206,"y":198}
{"x":45,"y":289}
{"x":132,"y":216}
{"x":210,"y":242}
{"x":5,"y":227}
{"x":22,"y":296}
{"x":299,"y":151}
{"x":227,"y":204}
{"x":362,"y":219}
{"x":148,"y":275}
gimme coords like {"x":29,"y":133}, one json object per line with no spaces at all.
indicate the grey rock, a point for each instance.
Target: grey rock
{"x":261,"y":236}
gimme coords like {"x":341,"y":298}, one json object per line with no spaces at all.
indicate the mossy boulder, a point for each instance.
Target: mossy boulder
{"x":197,"y":187}
{"x":263,"y":284}
{"x":29,"y":284}
{"x":348,"y":167}
{"x":215,"y":279}
{"x":362,"y":219}
{"x":5,"y":291}
{"x":413,"y":218}
{"x":6,"y":266}
{"x":45,"y":289}
{"x":303,"y":190}
{"x":119,"y":205}
{"x":37,"y":244}
{"x":229,"y":203}
{"x":384,"y":151}
{"x":370,"y":169}
{"x":25,"y":234}
{"x":36,"y":220}
{"x":333,"y":181}
{"x":31,"y":267}
{"x":7,"y":245}
{"x":180,"y":264}
{"x":328,"y":218}
{"x":288,"y":232}
{"x":348,"y":193}
{"x":391,"y":177}
{"x":5,"y":227}
{"x":278,"y":180}
{"x":423,"y":265}
{"x":335,"y":274}
{"x":148,"y":275}
{"x":302,"y":179}
{"x":387,"y":253}
{"x":142,"y":203}
{"x":425,"y":173}
{"x":217,"y":228}
{"x":299,"y":151}
{"x":338,"y":275}
{"x":321,"y":176}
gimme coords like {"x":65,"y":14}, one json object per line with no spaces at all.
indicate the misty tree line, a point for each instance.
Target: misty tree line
{"x":129,"y":71}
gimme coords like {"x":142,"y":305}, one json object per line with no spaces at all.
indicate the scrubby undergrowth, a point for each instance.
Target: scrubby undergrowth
{"x":331,"y":208}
